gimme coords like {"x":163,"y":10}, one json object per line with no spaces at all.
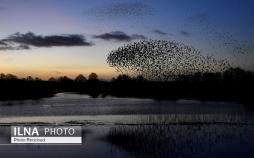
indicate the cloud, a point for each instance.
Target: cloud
{"x":185,"y":33}
{"x":159,"y":32}
{"x":24,"y":41}
{"x":119,"y":36}
{"x":2,"y":44}
{"x":13,"y":46}
{"x":120,"y":10}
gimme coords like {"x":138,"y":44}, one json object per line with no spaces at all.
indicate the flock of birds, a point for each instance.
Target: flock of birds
{"x":162,"y":60}
{"x":119,"y":10}
{"x":237,"y":50}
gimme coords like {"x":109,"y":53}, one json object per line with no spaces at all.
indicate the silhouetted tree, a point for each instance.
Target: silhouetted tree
{"x":64,"y":79}
{"x":10,"y":77}
{"x":2,"y":76}
{"x":123,"y":78}
{"x":80,"y":78}
{"x":140,"y":78}
{"x":113,"y":79}
{"x":234,"y":75}
{"x":212,"y":77}
{"x":37,"y":79}
{"x":93,"y":77}
{"x":93,"y":85}
{"x":198,"y":77}
{"x":52,"y":79}
{"x":29,"y":78}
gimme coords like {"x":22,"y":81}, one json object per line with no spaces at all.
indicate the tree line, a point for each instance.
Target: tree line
{"x":230,"y":75}
{"x":80,"y":78}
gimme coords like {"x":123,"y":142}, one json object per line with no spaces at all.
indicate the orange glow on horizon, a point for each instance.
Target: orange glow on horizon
{"x":103,"y":73}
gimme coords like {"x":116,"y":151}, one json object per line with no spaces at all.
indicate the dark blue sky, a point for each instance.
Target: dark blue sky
{"x":223,"y":28}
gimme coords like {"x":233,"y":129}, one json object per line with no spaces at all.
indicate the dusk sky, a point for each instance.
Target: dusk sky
{"x":45,"y":38}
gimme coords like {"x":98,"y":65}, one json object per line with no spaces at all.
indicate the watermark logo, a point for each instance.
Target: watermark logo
{"x":46,"y":135}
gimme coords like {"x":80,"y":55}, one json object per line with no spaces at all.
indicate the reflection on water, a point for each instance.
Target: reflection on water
{"x":175,"y":140}
{"x":127,"y":127}
{"x":74,"y":104}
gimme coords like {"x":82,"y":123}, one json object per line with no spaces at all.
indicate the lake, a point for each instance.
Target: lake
{"x":131,"y":127}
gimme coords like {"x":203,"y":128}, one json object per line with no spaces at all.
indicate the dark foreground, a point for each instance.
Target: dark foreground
{"x":233,"y":85}
{"x":133,"y":128}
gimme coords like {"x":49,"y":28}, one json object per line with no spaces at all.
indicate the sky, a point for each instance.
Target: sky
{"x":44,"y":38}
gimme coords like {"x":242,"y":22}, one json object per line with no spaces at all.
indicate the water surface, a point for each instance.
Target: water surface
{"x":130,"y":127}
